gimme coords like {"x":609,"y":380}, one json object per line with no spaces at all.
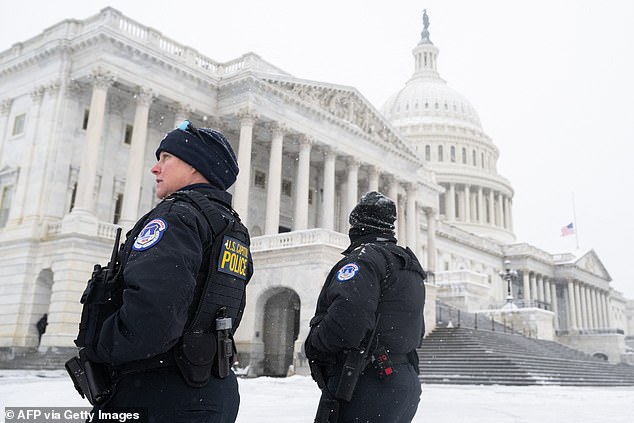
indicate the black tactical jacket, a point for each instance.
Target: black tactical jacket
{"x":376,"y":276}
{"x":165,"y":262}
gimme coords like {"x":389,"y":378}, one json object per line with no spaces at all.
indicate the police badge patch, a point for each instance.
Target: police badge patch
{"x":150,"y":235}
{"x":347,"y":272}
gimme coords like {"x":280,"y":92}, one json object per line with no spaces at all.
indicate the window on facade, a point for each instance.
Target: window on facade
{"x":428,"y":152}
{"x":127,"y":136}
{"x":117,"y":209}
{"x":84,"y":124}
{"x":18,"y":124}
{"x":259,"y":179}
{"x":482,"y":160}
{"x":474,"y":157}
{"x":440,"y":153}
{"x":287,"y":187}
{"x":453,"y":154}
{"x":464,"y":155}
{"x":5,"y":205}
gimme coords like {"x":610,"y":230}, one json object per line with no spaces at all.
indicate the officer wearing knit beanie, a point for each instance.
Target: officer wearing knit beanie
{"x":375,"y":213}
{"x":377,"y":288}
{"x":173,"y":272}
{"x":206,"y":149}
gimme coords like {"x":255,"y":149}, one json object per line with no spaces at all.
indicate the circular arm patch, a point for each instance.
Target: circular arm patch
{"x":150,"y":235}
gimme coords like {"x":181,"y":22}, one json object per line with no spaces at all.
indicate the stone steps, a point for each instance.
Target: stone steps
{"x":32,"y":359}
{"x":471,"y":356}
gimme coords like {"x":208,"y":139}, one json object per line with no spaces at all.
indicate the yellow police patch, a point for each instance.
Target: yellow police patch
{"x":234,"y":256}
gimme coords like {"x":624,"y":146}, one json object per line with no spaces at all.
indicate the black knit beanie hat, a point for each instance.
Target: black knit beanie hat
{"x":206,"y":149}
{"x":374,"y":213}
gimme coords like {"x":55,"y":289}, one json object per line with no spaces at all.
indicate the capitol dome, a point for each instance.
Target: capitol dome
{"x":426,"y":97}
{"x":445,"y":129}
{"x":430,"y":100}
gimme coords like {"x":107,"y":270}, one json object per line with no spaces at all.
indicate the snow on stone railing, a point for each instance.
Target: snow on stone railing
{"x":299,"y":238}
{"x":107,"y":230}
{"x":453,"y":232}
{"x":113,"y":21}
{"x":523,"y":249}
{"x":457,"y":276}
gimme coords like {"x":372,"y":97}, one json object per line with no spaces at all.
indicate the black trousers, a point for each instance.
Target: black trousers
{"x":392,"y":401}
{"x":162,"y":395}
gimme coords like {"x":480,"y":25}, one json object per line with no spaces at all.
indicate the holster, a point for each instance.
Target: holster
{"x":92,"y":380}
{"x":194,"y":357}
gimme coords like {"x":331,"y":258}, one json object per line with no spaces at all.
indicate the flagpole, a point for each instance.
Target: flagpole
{"x":574,"y":219}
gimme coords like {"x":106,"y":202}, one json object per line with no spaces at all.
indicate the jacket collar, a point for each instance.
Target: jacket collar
{"x":356,"y":241}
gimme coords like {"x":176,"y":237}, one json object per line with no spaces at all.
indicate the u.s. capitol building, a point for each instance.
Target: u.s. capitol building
{"x":84,"y":104}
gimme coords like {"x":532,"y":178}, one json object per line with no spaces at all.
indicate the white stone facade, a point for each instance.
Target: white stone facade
{"x":84,"y":105}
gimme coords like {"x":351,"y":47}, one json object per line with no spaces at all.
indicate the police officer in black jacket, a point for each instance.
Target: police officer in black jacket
{"x":375,"y":278}
{"x":191,"y":236}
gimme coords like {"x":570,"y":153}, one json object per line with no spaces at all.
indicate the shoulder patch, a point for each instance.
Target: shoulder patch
{"x":150,"y":235}
{"x":347,"y":272}
{"x":233,"y":258}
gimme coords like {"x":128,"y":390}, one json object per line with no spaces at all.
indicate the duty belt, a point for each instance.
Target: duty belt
{"x":165,"y":359}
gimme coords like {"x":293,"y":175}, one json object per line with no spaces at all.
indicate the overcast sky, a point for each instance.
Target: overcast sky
{"x":552,"y":80}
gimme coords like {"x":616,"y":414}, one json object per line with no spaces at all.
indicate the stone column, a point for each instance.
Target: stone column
{"x":300,"y":218}
{"x":412,"y":217}
{"x":373,"y":182}
{"x":274,"y":181}
{"x":507,"y":224}
{"x":604,"y":311}
{"x":467,"y":203}
{"x":527,"y":286}
{"x":136,"y":159}
{"x":554,"y":304}
{"x":451,"y":203}
{"x":5,"y":108}
{"x":353,"y":183}
{"x":510,"y":214}
{"x":585,"y":307}
{"x":431,"y":239}
{"x":393,"y":194}
{"x":606,"y":304}
{"x":534,"y":295}
{"x":540,"y":288}
{"x":596,"y":324}
{"x":572,"y":307}
{"x":491,"y":208}
{"x":85,"y":198}
{"x":23,"y":184}
{"x":328,"y":214}
{"x":342,"y":187}
{"x":546,"y":290}
{"x":481,"y":208}
{"x":578,"y":309}
{"x":243,"y":183}
{"x":592,"y":317}
{"x":500,"y":211}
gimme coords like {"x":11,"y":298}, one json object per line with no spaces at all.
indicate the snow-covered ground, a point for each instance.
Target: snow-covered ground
{"x":294,"y":399}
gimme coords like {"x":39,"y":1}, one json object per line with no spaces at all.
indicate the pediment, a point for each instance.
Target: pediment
{"x":341,"y":103}
{"x":591,"y":263}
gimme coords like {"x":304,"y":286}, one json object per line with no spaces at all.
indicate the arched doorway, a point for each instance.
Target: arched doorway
{"x":280,"y":331}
